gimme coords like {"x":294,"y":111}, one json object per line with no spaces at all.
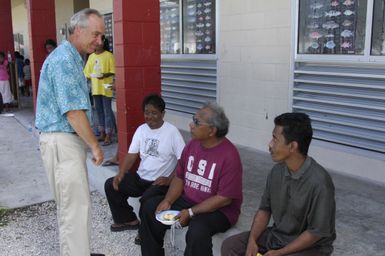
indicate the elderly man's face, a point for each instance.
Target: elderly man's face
{"x":199,"y":127}
{"x":91,"y":36}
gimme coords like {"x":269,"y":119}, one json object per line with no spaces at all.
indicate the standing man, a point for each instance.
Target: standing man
{"x":63,"y":115}
{"x":299,"y":195}
{"x":207,"y":188}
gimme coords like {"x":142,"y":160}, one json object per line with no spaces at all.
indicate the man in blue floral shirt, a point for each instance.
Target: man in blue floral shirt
{"x":63,"y":115}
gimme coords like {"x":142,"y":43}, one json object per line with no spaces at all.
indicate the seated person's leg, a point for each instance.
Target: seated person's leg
{"x":151,"y":231}
{"x":122,"y":213}
{"x":200,"y":231}
{"x":235,"y":245}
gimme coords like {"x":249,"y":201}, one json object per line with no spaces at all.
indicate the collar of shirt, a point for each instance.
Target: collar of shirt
{"x":74,"y":52}
{"x":298,"y":174}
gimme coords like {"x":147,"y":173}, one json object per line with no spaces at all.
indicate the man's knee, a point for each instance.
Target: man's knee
{"x":197,"y":232}
{"x":235,"y":245}
{"x":108,"y":187}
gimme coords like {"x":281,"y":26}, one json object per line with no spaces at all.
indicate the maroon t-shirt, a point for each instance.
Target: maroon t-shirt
{"x":210,"y":172}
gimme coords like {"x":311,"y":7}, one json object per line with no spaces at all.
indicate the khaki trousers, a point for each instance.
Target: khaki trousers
{"x":64,"y":158}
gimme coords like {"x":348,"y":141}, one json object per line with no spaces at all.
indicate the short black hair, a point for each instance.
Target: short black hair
{"x":154,"y":100}
{"x":296,"y":127}
{"x":27,"y":61}
{"x":50,"y":41}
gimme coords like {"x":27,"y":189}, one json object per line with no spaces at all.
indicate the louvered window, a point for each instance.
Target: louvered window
{"x":187,"y":84}
{"x":346,"y":103}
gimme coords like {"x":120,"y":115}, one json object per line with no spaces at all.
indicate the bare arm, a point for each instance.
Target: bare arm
{"x":79,"y":122}
{"x":128,"y":162}
{"x":164,"y":181}
{"x":304,"y":241}
{"x":175,"y":190}
{"x":261,"y":220}
{"x":211,"y":204}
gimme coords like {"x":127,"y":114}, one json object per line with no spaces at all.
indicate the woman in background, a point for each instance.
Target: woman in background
{"x":5,"y":89}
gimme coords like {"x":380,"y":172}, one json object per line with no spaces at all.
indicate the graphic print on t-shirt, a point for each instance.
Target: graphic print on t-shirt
{"x":201,"y":181}
{"x":151,"y":147}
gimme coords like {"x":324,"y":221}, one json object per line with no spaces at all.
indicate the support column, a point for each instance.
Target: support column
{"x":6,"y":38}
{"x":137,"y":53}
{"x":42,"y":25}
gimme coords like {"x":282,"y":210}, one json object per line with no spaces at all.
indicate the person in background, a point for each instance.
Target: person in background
{"x":299,"y":196}
{"x":50,"y":45}
{"x":19,"y":59}
{"x":100,"y":68}
{"x":207,"y":188}
{"x":5,"y":89}
{"x":159,"y":145}
{"x":27,"y":77}
{"x":63,"y":116}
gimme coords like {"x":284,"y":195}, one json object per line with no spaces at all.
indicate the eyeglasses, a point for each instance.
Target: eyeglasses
{"x":196,"y":122}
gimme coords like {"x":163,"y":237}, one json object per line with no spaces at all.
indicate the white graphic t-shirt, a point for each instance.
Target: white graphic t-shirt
{"x":159,"y":150}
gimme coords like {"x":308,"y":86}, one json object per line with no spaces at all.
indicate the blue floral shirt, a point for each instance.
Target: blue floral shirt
{"x":62,"y":88}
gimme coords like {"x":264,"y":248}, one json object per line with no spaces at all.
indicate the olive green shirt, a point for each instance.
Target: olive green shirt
{"x":300,"y":201}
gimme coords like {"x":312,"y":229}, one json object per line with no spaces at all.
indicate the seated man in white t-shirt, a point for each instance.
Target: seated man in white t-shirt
{"x":159,"y":145}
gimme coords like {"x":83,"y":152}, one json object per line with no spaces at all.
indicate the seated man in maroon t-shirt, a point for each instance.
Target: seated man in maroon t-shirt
{"x":207,"y":188}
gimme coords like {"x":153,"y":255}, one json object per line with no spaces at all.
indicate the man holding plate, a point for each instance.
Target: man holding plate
{"x":207,"y":188}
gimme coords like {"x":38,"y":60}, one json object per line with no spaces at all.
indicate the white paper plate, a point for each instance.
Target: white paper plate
{"x":159,"y":217}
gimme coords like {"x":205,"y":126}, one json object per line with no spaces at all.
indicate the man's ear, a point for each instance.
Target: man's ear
{"x":213,"y":131}
{"x":293,"y":146}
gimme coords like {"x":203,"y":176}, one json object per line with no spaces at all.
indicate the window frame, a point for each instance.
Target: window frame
{"x":194,"y":56}
{"x":339,"y":58}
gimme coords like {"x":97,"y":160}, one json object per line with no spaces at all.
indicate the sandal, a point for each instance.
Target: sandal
{"x":123,"y":227}
{"x":109,"y":163}
{"x":107,"y":141}
{"x":137,"y":239}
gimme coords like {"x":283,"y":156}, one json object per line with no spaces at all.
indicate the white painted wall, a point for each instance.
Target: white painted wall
{"x":254,"y":47}
{"x":64,"y":9}
{"x":20,"y":25}
{"x":101,"y":5}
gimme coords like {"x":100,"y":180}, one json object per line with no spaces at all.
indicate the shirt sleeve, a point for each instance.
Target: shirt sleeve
{"x":111,"y":64}
{"x":135,"y":142}
{"x":321,"y":217}
{"x":265,"y":200}
{"x":88,"y":68}
{"x":68,"y":86}
{"x":230,"y":180}
{"x":178,"y":144}
{"x":181,"y":166}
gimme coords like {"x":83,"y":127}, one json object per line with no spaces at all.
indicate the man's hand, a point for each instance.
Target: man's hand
{"x":97,"y":154}
{"x":162,"y":181}
{"x":252,"y":248}
{"x":116,"y":181}
{"x":163,"y":206}
{"x":184,"y":217}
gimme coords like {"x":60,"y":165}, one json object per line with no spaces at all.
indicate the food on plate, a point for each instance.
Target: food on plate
{"x":169,"y":216}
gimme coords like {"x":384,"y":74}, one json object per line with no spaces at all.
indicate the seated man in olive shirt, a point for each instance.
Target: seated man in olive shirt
{"x":299,"y":196}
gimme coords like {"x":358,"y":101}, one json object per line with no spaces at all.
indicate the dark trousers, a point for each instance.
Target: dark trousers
{"x":198,"y":237}
{"x":131,"y":186}
{"x":236,"y":246}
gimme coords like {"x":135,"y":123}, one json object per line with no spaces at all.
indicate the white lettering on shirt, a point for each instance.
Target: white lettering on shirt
{"x":190,"y":163}
{"x":202,"y":167}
